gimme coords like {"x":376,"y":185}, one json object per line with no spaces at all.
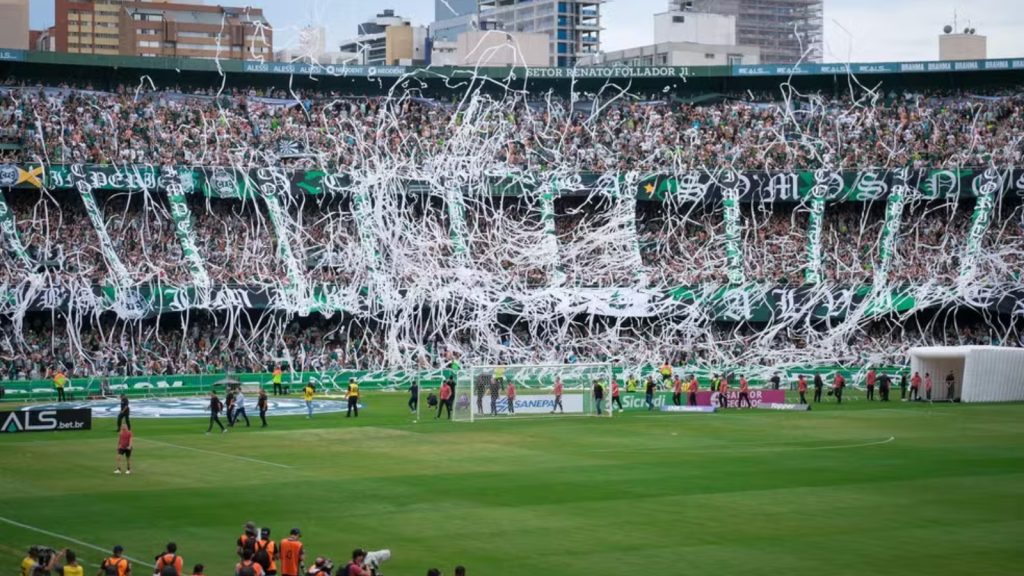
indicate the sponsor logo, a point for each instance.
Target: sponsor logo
{"x":8,"y":175}
{"x":537,"y":404}
{"x":689,"y":409}
{"x":780,"y":406}
{"x":198,"y":407}
{"x":33,"y":420}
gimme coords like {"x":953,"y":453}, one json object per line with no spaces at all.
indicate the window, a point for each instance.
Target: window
{"x":679,"y":19}
{"x":709,"y":56}
{"x":735,"y":59}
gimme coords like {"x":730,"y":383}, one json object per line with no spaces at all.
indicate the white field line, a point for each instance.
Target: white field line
{"x":777,"y":447}
{"x":215,"y":453}
{"x":68,"y":539}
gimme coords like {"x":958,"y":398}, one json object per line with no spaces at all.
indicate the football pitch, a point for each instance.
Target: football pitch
{"x":863,"y":488}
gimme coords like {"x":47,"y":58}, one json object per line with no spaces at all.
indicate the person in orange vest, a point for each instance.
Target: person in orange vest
{"x":115,"y":565}
{"x":292,"y":554}
{"x":915,"y":386}
{"x":169,"y":559}
{"x":744,"y":393}
{"x":616,"y":399}
{"x":691,"y":400}
{"x":265,"y":552}
{"x":59,"y":380}
{"x":871,"y":384}
{"x":723,"y":392}
{"x":677,"y":391}
{"x":801,"y":387}
{"x":248,"y":533}
{"x":247,"y":563}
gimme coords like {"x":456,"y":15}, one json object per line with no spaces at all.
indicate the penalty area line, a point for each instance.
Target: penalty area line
{"x":215,"y":453}
{"x":65,"y":538}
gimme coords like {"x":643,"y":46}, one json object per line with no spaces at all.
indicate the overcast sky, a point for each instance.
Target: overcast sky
{"x":855,"y":30}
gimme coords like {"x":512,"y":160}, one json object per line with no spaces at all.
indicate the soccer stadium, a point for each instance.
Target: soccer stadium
{"x":723,"y":319}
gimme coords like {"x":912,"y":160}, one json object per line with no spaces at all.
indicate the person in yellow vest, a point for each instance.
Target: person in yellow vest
{"x":307,"y":395}
{"x":59,"y":380}
{"x":353,"y":397}
{"x":276,"y":379}
{"x":71,"y":566}
{"x":666,"y":375}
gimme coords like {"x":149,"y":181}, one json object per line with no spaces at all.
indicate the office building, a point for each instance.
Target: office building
{"x":14,"y":24}
{"x":786,"y":31}
{"x":686,"y":38}
{"x":573,"y":27}
{"x":388,"y":39}
{"x":158,"y":28}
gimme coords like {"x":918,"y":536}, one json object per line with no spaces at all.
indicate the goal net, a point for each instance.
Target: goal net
{"x":483,"y":392}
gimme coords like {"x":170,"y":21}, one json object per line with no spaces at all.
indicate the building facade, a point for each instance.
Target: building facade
{"x":573,"y":27}
{"x":161,"y":29}
{"x":786,"y":31}
{"x":966,"y":46}
{"x":14,"y":24}
{"x":679,"y":54}
{"x":388,"y":39}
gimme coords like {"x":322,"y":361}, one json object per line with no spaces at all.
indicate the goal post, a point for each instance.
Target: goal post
{"x":482,"y":391}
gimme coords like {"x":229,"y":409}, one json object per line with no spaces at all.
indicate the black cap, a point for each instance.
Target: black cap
{"x":296,"y":531}
{"x":118,"y":548}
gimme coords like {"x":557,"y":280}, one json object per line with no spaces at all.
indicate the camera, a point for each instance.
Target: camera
{"x":43,"y":554}
{"x":322,"y":566}
{"x":375,"y":558}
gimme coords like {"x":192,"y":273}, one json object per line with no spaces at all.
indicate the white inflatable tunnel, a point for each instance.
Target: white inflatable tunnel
{"x":980,"y":373}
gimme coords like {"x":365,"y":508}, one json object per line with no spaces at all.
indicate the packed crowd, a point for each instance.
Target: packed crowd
{"x":340,"y":132}
{"x":210,"y":345}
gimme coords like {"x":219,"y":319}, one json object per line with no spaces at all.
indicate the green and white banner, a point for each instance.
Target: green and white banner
{"x":552,"y":262}
{"x":186,"y":236}
{"x":113,"y":261}
{"x":456,"y":206}
{"x":891,"y":227}
{"x":987,"y":190}
{"x":731,"y":184}
{"x":12,"y":242}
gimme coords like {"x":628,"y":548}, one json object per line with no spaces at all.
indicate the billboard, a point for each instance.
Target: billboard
{"x":57,"y":420}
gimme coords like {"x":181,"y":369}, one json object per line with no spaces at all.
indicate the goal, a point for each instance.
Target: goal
{"x":481,"y":391}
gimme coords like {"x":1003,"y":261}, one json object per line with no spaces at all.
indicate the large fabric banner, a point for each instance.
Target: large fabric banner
{"x":696,"y":186}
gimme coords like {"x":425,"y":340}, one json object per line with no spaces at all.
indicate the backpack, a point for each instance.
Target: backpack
{"x":261,"y":556}
{"x":165,"y":565}
{"x":110,"y":568}
{"x":250,"y":545}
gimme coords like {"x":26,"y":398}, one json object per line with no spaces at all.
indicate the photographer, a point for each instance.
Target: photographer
{"x":39,"y":561}
{"x":321,"y":567}
{"x":356,"y":567}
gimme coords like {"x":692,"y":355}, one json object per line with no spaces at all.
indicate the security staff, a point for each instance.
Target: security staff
{"x":124,"y":415}
{"x":819,"y":383}
{"x":353,"y":398}
{"x":276,"y":379}
{"x":59,"y":380}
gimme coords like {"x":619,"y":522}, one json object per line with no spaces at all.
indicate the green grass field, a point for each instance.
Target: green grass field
{"x":751,"y":492}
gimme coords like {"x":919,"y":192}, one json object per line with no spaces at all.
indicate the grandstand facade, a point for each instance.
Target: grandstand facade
{"x":382,"y":217}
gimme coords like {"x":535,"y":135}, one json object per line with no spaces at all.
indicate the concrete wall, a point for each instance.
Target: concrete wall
{"x":697,"y":27}
{"x":498,"y":48}
{"x":963,"y":47}
{"x":14,"y":24}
